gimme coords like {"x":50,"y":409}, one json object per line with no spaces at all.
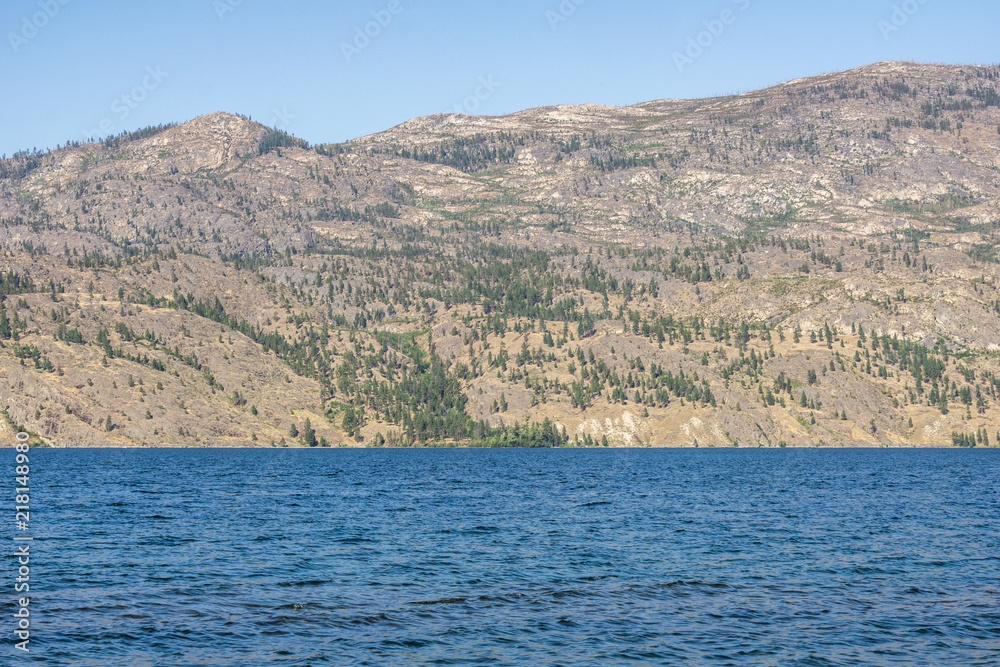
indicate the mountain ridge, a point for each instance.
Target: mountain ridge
{"x":809,"y":264}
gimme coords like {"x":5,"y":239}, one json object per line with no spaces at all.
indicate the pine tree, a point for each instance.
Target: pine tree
{"x":308,"y":434}
{"x":943,"y":402}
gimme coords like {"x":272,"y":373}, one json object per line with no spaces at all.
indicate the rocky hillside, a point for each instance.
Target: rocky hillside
{"x":811,"y":264}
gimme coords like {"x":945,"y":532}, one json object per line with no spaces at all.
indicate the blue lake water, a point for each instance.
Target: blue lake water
{"x":513,"y":557}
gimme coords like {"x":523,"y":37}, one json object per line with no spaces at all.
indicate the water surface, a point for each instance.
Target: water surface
{"x":513,"y":557}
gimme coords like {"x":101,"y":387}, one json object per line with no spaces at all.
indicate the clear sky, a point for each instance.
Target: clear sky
{"x":70,"y":69}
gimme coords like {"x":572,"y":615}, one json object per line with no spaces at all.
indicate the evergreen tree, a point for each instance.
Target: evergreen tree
{"x":308,"y":434}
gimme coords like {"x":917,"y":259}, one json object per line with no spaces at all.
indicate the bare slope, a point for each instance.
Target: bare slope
{"x":677,"y":272}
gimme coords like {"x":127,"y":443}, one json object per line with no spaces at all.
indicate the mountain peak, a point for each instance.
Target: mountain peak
{"x":217,"y":137}
{"x":223,"y":121}
{"x":205,"y":142}
{"x":835,"y":207}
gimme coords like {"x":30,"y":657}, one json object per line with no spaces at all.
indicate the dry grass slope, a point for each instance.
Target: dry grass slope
{"x":809,"y":265}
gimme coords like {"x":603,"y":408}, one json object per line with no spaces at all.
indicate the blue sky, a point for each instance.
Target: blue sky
{"x":73,"y":68}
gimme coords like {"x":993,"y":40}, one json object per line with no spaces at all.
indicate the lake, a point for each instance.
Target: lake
{"x":513,"y":557}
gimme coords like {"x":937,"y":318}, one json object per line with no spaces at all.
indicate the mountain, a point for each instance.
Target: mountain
{"x":810,"y":264}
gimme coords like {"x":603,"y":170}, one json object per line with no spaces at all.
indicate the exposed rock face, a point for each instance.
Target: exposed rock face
{"x":209,"y":142}
{"x":260,"y":273}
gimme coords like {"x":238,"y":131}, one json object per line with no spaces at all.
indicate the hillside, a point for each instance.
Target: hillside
{"x":810,"y":264}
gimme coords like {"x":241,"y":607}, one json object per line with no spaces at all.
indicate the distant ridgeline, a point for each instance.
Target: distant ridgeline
{"x":787,"y":267}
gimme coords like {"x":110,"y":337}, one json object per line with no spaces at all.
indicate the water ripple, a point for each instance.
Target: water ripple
{"x":553,"y":557}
